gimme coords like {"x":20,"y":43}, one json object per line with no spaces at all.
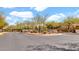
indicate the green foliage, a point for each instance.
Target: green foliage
{"x":39,"y":23}
{"x":53,"y":25}
{"x":68,"y":23}
{"x":2,"y":22}
{"x":44,"y":32}
{"x":71,"y":20}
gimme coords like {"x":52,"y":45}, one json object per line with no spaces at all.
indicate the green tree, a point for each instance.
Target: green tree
{"x":53,"y":25}
{"x":2,"y":21}
{"x":39,"y":23}
{"x":69,"y":21}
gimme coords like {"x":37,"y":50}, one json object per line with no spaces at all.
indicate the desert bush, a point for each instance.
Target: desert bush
{"x":77,"y":27}
{"x":34,"y":31}
{"x":44,"y":32}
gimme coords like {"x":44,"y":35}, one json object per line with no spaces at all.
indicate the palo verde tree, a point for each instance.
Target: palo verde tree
{"x":39,"y":22}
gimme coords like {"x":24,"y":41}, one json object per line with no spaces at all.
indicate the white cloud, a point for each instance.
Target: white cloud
{"x":56,"y":17}
{"x":61,"y":14}
{"x":8,"y":18}
{"x":11,"y":20}
{"x":39,"y":9}
{"x":25,"y":14}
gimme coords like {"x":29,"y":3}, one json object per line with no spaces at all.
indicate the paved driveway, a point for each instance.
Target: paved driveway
{"x":14,"y":41}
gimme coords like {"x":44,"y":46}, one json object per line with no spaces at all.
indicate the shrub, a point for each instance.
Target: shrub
{"x":33,"y":31}
{"x":77,"y":27}
{"x":44,"y":32}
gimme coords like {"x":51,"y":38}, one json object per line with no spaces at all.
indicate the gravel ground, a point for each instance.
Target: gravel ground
{"x":14,"y":41}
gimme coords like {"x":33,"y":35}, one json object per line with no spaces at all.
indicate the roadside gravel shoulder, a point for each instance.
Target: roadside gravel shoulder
{"x":1,"y":33}
{"x":39,"y":34}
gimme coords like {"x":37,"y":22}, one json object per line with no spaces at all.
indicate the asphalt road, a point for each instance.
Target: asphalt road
{"x":14,"y":41}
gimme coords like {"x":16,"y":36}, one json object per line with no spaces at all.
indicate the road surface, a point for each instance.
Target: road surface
{"x":15,"y":41}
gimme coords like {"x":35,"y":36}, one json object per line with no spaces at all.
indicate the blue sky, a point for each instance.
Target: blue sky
{"x":19,"y":14}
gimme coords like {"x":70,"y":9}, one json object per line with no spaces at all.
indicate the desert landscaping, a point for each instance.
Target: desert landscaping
{"x":37,"y":34}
